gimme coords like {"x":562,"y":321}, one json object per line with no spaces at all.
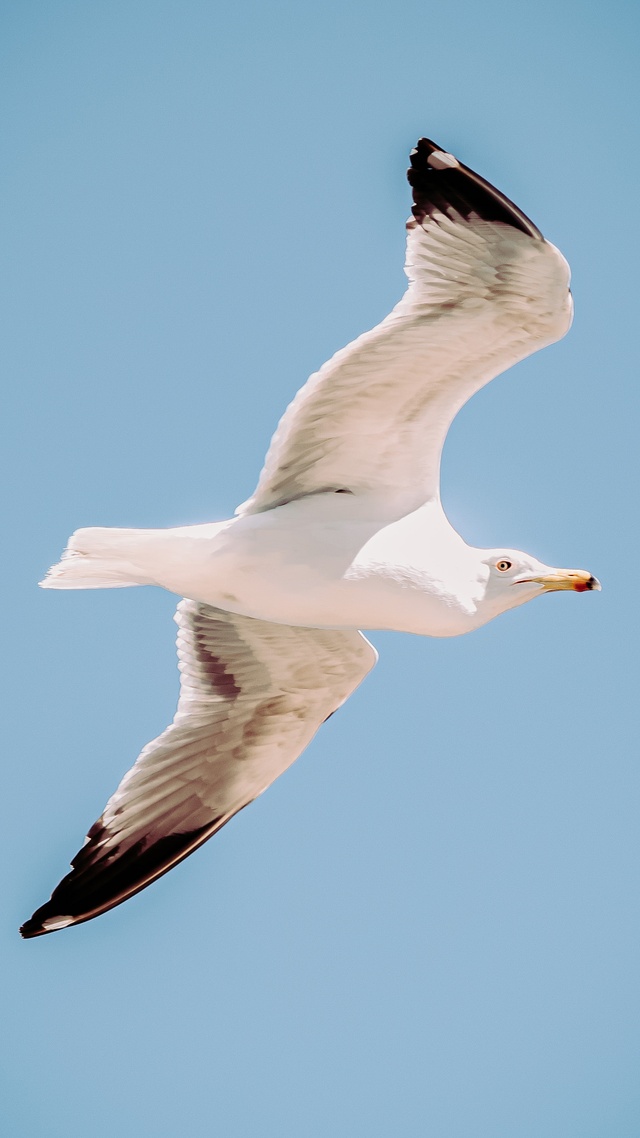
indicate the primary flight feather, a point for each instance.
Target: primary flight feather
{"x":344,"y":531}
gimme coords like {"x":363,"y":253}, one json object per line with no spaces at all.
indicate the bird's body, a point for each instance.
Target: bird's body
{"x":345,"y":531}
{"x":312,"y":563}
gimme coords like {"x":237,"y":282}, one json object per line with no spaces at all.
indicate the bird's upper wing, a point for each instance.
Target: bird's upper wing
{"x":252,"y":696}
{"x":485,"y":290}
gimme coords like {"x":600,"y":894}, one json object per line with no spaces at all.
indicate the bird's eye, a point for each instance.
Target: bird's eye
{"x":503,"y":565}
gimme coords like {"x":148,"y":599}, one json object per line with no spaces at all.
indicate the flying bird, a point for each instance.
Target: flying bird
{"x":344,"y":531}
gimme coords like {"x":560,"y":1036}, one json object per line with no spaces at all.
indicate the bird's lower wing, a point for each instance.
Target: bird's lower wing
{"x":485,"y":291}
{"x":252,"y":696}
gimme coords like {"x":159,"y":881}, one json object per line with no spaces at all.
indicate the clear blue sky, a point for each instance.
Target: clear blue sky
{"x":429,"y":926}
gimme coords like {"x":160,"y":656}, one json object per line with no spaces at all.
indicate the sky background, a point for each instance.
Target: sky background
{"x":429,"y":925}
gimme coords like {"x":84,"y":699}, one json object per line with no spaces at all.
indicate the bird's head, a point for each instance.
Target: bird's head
{"x":512,"y":577}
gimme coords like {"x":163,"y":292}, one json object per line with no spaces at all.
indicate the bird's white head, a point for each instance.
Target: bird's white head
{"x":512,"y":577}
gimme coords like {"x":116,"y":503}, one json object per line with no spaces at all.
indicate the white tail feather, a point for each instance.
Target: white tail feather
{"x":100,"y":558}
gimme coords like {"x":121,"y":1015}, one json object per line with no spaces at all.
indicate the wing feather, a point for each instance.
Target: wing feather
{"x":252,"y":696}
{"x":485,"y":290}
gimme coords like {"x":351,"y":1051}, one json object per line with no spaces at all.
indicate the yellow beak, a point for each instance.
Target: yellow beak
{"x":576,"y":579}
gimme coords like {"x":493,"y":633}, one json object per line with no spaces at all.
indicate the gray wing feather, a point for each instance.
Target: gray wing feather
{"x":485,"y":290}
{"x":252,"y":697}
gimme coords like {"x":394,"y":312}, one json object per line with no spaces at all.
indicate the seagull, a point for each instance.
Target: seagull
{"x":344,"y":531}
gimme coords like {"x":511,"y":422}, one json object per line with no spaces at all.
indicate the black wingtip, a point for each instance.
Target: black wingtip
{"x":43,"y":922}
{"x":99,"y":881}
{"x":442,"y":184}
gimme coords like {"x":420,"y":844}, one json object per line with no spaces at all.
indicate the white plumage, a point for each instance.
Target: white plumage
{"x":481,"y":296}
{"x":345,"y":530}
